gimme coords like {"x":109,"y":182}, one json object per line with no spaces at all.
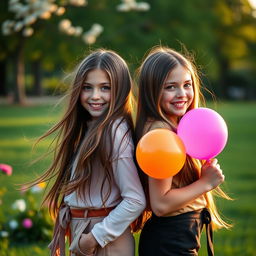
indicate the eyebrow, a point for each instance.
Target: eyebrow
{"x":104,"y":83}
{"x":173,"y":82}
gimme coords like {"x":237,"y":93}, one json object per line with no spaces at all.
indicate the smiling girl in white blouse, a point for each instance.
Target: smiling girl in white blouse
{"x":96,"y":193}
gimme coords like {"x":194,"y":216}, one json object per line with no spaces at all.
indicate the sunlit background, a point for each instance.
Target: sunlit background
{"x":42,"y":41}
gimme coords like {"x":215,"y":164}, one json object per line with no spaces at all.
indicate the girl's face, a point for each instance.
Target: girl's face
{"x":177,"y":93}
{"x":96,"y":92}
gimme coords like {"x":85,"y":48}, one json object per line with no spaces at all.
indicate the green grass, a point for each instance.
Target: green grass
{"x":19,"y":126}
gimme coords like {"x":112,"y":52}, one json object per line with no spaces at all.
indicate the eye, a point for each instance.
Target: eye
{"x":86,"y":87}
{"x":106,"y":88}
{"x":169,"y":87}
{"x":187,"y":85}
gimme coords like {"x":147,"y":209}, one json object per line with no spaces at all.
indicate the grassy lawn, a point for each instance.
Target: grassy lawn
{"x":19,"y":126}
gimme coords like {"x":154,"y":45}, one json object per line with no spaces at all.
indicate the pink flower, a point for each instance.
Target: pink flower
{"x":27,"y":223}
{"x":7,"y":169}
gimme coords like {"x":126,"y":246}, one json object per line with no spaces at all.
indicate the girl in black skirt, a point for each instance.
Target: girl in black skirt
{"x":169,"y":87}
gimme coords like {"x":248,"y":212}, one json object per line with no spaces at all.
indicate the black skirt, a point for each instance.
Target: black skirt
{"x":175,"y":235}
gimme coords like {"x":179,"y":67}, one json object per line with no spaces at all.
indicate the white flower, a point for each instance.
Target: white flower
{"x":53,"y":7}
{"x":38,"y":6}
{"x":13,"y":1}
{"x":30,"y":19}
{"x":60,"y":11}
{"x":96,"y":29}
{"x":18,"y":26}
{"x":22,"y":12}
{"x":20,"y":205}
{"x":89,"y":38}
{"x":71,"y":31}
{"x":28,"y":32}
{"x":46,"y":15}
{"x":129,"y":5}
{"x":129,"y":2}
{"x":123,"y":8}
{"x":30,"y":1}
{"x":7,"y":27}
{"x":143,"y":6}
{"x":6,"y":31}
{"x":13,"y":224}
{"x":4,"y":233}
{"x":64,"y":25}
{"x":79,"y":31}
{"x":78,"y":2}
{"x":8,"y":24}
{"x":15,"y":7}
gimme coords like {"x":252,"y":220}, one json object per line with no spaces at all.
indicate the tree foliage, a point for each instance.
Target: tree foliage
{"x":220,"y":34}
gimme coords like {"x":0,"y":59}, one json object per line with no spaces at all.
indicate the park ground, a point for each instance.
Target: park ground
{"x":20,"y":125}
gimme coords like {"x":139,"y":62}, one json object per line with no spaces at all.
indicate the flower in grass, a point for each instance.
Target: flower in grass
{"x":4,"y":233}
{"x":13,"y":224}
{"x":27,"y":223}
{"x":7,"y":169}
{"x":38,"y":187}
{"x":20,"y":205}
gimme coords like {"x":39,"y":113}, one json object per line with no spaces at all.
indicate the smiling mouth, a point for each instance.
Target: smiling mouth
{"x":179,"y":104}
{"x":96,"y":106}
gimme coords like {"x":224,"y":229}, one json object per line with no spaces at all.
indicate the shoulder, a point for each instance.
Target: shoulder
{"x":122,"y":141}
{"x":119,"y":128}
{"x":152,"y":125}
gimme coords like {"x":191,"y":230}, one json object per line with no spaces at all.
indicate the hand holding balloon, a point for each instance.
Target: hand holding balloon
{"x":160,"y":153}
{"x":211,"y":174}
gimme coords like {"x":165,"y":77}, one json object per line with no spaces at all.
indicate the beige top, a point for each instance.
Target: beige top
{"x":126,"y":191}
{"x":199,"y":202}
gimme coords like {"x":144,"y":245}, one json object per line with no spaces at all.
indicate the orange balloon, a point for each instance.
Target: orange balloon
{"x":160,"y":153}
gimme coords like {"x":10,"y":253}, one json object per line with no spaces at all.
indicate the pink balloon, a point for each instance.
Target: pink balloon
{"x":203,"y":132}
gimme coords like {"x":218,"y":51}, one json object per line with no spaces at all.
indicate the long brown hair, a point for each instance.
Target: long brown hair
{"x":72,"y":132}
{"x":159,"y":62}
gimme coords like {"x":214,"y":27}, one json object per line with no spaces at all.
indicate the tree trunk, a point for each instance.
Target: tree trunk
{"x":36,"y":70}
{"x":19,"y":87}
{"x":3,"y":90}
{"x":223,"y":80}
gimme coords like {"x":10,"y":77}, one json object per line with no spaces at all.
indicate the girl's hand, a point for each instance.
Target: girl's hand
{"x":88,"y":244}
{"x":211,"y":174}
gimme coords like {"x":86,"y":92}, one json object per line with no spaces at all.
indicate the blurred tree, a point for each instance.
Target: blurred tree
{"x":4,"y":50}
{"x":220,"y":34}
{"x":236,"y":37}
{"x":28,"y":16}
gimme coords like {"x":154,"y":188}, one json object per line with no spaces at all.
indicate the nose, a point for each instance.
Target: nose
{"x":95,"y":94}
{"x":181,"y":92}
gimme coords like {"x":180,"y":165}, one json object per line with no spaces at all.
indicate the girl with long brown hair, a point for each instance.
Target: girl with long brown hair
{"x":169,"y":86}
{"x":96,"y":192}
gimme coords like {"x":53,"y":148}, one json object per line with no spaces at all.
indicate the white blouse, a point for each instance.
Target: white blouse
{"x":126,"y":190}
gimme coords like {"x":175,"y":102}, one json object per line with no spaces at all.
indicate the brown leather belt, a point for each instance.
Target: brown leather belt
{"x":81,"y":213}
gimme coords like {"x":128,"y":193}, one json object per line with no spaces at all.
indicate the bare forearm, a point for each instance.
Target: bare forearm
{"x":174,"y":199}
{"x":165,"y":200}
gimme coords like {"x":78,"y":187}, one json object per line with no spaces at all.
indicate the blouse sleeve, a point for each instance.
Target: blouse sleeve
{"x":133,"y":199}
